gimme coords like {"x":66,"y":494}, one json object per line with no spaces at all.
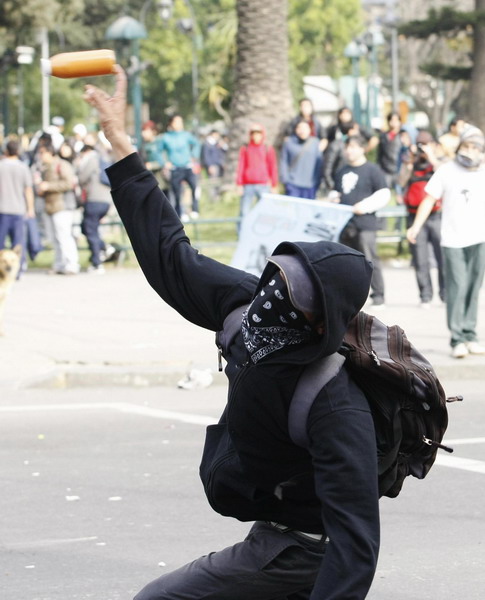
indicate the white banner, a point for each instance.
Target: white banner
{"x":277,"y":219}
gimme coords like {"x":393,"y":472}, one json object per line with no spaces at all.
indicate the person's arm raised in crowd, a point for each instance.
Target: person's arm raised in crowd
{"x":202,"y":290}
{"x":112,"y":113}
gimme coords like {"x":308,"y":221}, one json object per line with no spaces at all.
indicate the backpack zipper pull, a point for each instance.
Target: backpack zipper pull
{"x":455,"y":399}
{"x":375,"y":358}
{"x":219,"y":359}
{"x":433,"y":443}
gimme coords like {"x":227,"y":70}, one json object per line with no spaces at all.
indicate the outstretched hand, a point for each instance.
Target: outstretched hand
{"x":112,"y":113}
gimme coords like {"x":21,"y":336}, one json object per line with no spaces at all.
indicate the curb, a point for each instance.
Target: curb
{"x":95,"y":375}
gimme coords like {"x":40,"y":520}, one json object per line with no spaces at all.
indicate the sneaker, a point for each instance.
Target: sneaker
{"x":425,"y":305}
{"x":185,"y":218}
{"x":194,"y":214}
{"x":378,"y":305}
{"x":99,"y":270}
{"x":108,"y":254}
{"x":475,"y":348}
{"x":459,"y":351}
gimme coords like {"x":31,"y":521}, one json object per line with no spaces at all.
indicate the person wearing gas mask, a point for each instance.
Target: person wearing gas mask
{"x":460,"y":184}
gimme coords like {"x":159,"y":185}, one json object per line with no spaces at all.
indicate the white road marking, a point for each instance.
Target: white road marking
{"x":454,"y":462}
{"x":47,"y":543}
{"x":463,"y":441}
{"x":465,"y":464}
{"x":124,"y":407}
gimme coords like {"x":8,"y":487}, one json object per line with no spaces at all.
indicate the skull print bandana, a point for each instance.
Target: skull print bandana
{"x":271,"y":322}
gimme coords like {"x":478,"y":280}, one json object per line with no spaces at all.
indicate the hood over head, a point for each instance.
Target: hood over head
{"x":336,"y":277}
{"x":256,"y":127}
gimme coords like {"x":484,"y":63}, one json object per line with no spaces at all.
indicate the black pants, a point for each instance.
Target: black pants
{"x":93,"y":213}
{"x":428,"y":240}
{"x":268,"y":565}
{"x":178,"y":175}
{"x":366,"y":242}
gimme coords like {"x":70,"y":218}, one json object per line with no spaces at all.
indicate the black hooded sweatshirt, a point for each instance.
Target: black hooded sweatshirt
{"x":331,"y":488}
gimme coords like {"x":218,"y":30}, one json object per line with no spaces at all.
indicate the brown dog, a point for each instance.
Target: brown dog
{"x":9,"y":267}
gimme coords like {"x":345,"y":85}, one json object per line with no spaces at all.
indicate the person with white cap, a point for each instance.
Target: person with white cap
{"x":315,"y":511}
{"x":460,"y":185}
{"x":55,"y":130}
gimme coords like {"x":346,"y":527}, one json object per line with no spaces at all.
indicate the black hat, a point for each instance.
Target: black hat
{"x":302,"y":291}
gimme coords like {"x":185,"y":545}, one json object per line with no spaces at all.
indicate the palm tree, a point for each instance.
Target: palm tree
{"x":261,"y":87}
{"x":476,"y":95}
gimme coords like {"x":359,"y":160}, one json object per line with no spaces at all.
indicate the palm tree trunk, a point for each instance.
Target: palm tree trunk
{"x":261,"y":88}
{"x":476,"y":106}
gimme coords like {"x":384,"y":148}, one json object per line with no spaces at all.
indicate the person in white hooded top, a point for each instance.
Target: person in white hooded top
{"x":460,"y":184}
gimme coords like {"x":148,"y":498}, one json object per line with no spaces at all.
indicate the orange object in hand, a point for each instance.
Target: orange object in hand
{"x":79,"y":64}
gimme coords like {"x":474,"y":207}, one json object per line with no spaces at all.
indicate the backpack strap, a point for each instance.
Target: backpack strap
{"x":313,"y":378}
{"x":230,"y":328}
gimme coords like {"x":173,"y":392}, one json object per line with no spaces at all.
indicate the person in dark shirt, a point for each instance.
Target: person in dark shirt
{"x":389,"y":148}
{"x":316,"y":512}
{"x":306,"y":113}
{"x":362,"y":185}
{"x":345,"y":122}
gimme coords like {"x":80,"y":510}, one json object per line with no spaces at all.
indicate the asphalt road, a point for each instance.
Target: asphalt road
{"x":100,"y":494}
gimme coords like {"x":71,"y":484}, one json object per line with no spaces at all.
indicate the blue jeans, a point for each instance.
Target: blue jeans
{"x":11,"y":226}
{"x":93,"y":213}
{"x":300,"y":192}
{"x":177,"y":176}
{"x":250,"y":192}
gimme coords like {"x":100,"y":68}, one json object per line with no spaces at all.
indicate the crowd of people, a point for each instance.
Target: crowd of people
{"x":53,"y":189}
{"x":60,"y":181}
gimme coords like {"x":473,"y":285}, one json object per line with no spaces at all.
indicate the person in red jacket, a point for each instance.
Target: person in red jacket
{"x":257,"y":170}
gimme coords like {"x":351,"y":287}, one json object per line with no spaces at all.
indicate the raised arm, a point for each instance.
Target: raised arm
{"x":202,"y":290}
{"x":112,"y":113}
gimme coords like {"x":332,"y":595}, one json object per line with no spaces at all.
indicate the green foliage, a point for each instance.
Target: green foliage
{"x":446,"y":22}
{"x":457,"y":28}
{"x":447,"y":72}
{"x":318,"y":29}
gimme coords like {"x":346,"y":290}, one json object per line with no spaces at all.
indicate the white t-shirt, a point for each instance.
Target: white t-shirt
{"x":463,"y":195}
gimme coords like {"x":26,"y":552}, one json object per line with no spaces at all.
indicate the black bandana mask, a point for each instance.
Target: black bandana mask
{"x":271,"y":322}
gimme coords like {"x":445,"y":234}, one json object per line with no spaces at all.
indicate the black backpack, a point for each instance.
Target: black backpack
{"x":407,"y":401}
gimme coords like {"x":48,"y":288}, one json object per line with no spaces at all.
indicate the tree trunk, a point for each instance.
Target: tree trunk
{"x":261,"y":87}
{"x":476,"y":106}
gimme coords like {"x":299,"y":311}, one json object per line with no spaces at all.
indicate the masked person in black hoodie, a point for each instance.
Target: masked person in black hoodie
{"x":316,"y":530}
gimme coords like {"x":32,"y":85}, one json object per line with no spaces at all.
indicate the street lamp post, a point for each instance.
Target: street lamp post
{"x":355,"y":50}
{"x":373,"y":39}
{"x":25,"y":56}
{"x":6,"y":61}
{"x":129,"y":32}
{"x":189,"y":27}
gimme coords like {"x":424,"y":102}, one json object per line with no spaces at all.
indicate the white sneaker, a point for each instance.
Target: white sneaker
{"x":105,"y":255}
{"x":194,"y":214}
{"x":475,"y":348}
{"x":99,"y":270}
{"x":459,"y":351}
{"x":426,"y":305}
{"x":185,"y":218}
